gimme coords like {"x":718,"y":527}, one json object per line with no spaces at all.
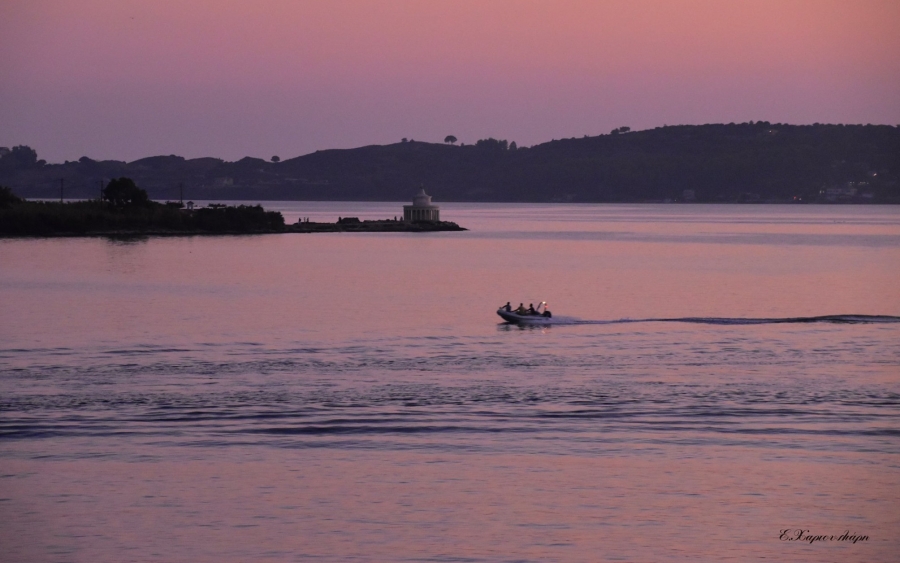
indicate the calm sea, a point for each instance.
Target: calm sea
{"x":354,"y":397}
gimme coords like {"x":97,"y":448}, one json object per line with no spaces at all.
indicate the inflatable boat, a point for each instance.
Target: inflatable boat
{"x":538,"y":317}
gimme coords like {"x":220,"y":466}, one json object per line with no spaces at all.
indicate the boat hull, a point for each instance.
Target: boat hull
{"x":515,"y":318}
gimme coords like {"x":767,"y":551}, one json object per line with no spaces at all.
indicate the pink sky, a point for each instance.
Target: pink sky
{"x":125,"y":79}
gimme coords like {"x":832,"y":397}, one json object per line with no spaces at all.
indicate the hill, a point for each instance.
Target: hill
{"x":749,"y":162}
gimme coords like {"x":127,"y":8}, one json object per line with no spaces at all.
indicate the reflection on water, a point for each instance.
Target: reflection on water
{"x":718,"y":373}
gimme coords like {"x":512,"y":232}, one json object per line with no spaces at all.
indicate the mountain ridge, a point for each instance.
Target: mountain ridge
{"x":748,"y":162}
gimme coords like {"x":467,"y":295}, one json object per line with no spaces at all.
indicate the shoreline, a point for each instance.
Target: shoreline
{"x":134,"y":215}
{"x":378,"y":226}
{"x":374,"y":226}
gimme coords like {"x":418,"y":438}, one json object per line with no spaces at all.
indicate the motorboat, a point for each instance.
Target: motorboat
{"x":539,"y":317}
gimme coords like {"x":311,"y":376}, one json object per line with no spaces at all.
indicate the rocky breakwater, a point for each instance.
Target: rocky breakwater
{"x":354,"y":225}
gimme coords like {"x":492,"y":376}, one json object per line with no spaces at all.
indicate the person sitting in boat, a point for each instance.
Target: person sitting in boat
{"x":521,"y":310}
{"x":507,"y":307}
{"x":531,"y":310}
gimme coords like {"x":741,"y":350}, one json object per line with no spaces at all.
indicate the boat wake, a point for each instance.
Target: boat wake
{"x":833,"y":319}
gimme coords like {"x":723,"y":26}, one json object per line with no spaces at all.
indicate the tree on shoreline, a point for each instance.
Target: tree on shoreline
{"x":450,"y":139}
{"x":8,"y":198}
{"x":123,"y":191}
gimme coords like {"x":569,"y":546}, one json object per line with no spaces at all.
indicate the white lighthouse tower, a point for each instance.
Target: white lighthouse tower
{"x":421,"y":209}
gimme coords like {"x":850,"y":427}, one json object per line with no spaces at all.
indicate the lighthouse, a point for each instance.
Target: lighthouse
{"x":421,"y":209}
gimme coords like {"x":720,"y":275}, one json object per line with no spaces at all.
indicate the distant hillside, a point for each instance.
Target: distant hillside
{"x":750,"y":162}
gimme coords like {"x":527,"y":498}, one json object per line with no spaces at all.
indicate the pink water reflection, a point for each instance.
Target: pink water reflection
{"x":349,"y":397}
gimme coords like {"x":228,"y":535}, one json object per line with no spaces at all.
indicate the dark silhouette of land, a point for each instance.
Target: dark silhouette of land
{"x":749,"y":162}
{"x":126,"y":210}
{"x":354,"y":225}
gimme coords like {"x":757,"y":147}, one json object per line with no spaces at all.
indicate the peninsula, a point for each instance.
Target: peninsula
{"x":126,"y":210}
{"x":354,"y":225}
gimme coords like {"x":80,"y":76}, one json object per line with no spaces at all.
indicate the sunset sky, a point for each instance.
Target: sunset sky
{"x":124,"y":79}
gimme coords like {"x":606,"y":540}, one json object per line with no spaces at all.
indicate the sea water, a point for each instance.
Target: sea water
{"x":354,"y":397}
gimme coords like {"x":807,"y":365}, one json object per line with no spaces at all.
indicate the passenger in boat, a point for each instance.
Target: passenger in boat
{"x":507,"y":307}
{"x":521,"y":310}
{"x":531,"y":310}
